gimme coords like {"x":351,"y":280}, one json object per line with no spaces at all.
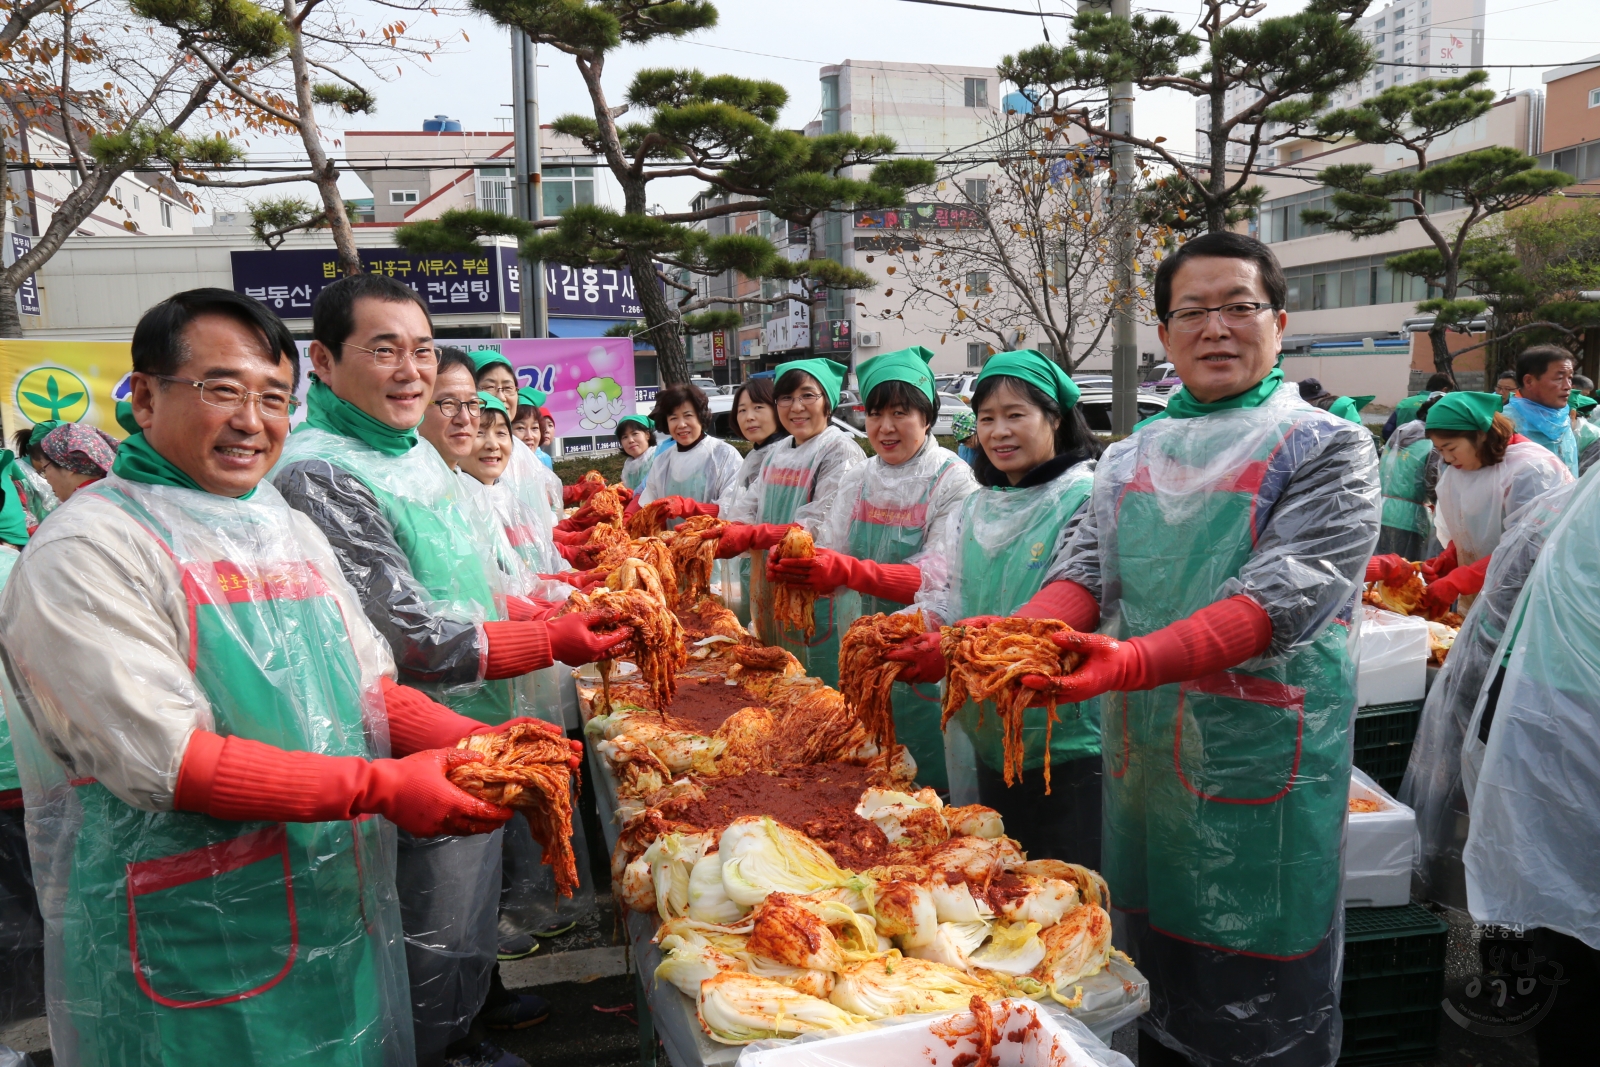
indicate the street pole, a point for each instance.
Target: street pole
{"x":1125,"y":343}
{"x":529,"y":206}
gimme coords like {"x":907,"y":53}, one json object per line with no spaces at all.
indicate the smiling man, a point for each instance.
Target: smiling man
{"x":205,"y":716}
{"x":1225,"y":543}
{"x":406,"y":539}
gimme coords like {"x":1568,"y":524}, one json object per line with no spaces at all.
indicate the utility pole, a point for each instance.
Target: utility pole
{"x":1125,"y":343}
{"x":529,"y":205}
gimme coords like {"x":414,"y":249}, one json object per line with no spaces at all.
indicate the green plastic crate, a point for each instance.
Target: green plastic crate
{"x":1383,"y":737}
{"x":1393,"y":981}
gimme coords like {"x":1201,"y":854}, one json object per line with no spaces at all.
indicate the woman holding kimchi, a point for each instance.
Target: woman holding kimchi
{"x":1036,"y":468}
{"x":871,"y":548}
{"x":798,"y":483}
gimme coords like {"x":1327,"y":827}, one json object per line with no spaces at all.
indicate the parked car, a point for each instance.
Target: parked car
{"x":851,"y":409}
{"x":708,"y":386}
{"x":1096,"y":407}
{"x":854,"y":412}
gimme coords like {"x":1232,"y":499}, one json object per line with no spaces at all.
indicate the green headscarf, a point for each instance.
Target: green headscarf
{"x":138,"y":462}
{"x":907,"y":365}
{"x":637,"y":420}
{"x":494,"y":403}
{"x":125,"y":417}
{"x":829,"y":375}
{"x":1035,"y":368}
{"x":13,"y":520}
{"x":485,"y":358}
{"x":1349,"y":407}
{"x":39,"y":431}
{"x":327,"y":411}
{"x":1183,"y":405}
{"x":1580,"y":403}
{"x":1467,"y":412}
{"x":532,"y":397}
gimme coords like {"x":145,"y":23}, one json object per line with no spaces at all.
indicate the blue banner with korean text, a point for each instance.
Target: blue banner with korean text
{"x":288,"y":280}
{"x":579,"y":292}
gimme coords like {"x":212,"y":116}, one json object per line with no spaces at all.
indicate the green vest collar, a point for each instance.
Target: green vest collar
{"x":327,"y":411}
{"x":137,"y":461}
{"x":1184,"y":406}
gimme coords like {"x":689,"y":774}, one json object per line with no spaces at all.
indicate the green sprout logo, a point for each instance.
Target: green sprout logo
{"x":47,"y":393}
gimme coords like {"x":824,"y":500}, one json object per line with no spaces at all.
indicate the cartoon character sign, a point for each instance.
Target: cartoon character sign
{"x":599,"y":404}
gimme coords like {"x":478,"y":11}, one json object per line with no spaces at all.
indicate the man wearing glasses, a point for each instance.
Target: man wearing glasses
{"x":401,"y":529}
{"x":205,"y":720}
{"x":1224,"y":546}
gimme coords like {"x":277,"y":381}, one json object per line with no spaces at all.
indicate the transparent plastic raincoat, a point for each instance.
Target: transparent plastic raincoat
{"x":1533,"y":851}
{"x":897,"y":515}
{"x":1225,"y":797}
{"x":21,"y":926}
{"x":1475,"y":507}
{"x":1432,"y":786}
{"x":38,"y":499}
{"x":996,"y":552}
{"x":799,"y":484}
{"x":143,"y":613}
{"x":635,"y":469}
{"x":1408,"y":470}
{"x":736,"y":573}
{"x":1588,"y":437}
{"x":415,"y":547}
{"x":702,"y":472}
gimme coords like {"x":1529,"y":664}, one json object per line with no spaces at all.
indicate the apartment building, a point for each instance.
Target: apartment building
{"x":1571,"y":138}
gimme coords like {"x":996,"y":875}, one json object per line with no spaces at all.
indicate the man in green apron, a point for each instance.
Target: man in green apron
{"x":393,"y":512}
{"x":204,"y":723}
{"x":1225,"y":543}
{"x":889,"y":511}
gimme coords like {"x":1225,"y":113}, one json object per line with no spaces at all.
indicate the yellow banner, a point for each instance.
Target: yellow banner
{"x":74,"y":381}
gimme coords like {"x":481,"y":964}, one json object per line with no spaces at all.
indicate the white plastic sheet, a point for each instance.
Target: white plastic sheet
{"x":1394,"y":658}
{"x":1380,"y":848}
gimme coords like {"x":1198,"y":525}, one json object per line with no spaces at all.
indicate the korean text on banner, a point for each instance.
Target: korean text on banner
{"x":74,"y":381}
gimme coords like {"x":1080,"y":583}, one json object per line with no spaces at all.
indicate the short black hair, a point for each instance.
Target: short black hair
{"x":495,"y":412}
{"x":790,"y":384}
{"x":333,"y":315}
{"x":1535,"y":360}
{"x":1073,"y":436}
{"x":1505,"y":375}
{"x":673,"y":397}
{"x":19,"y":444}
{"x":1582,"y":381}
{"x":901,"y":394}
{"x":158,"y":341}
{"x":451,"y":356}
{"x":759,"y":390}
{"x":1223,"y":244}
{"x":1439,"y":383}
{"x":634,"y":427}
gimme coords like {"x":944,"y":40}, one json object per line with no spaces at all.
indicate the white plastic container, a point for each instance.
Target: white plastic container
{"x":938,"y":1041}
{"x":1393,"y":665}
{"x":1380,"y":848}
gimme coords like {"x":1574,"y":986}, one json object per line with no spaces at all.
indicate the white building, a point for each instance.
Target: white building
{"x":137,"y":203}
{"x":1411,"y":40}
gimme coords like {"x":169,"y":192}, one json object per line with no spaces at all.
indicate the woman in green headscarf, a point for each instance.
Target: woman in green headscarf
{"x":1036,"y":469}
{"x":872,"y":549}
{"x":798,"y":483}
{"x":1587,"y":432}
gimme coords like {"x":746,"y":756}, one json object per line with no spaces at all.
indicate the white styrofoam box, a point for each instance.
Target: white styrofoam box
{"x":1380,"y":848}
{"x":935,"y":1041}
{"x":1393,"y":664}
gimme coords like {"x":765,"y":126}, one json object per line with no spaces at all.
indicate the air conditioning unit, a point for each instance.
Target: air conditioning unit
{"x":869,"y":339}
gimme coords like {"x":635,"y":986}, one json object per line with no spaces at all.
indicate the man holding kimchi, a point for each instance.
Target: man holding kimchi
{"x":1222,"y":554}
{"x":207,"y":724}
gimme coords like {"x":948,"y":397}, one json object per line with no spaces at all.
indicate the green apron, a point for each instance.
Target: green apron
{"x":894,"y":535}
{"x":9,"y":782}
{"x":781,"y":498}
{"x":1225,"y":797}
{"x":1008,"y":540}
{"x":1406,"y":410}
{"x":188,"y":937}
{"x":440,"y":536}
{"x":1401,"y":472}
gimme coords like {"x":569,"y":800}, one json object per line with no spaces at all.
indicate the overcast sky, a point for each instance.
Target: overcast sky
{"x":787,"y":40}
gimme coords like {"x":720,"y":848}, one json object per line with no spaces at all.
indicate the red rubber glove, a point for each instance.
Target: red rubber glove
{"x":573,"y":643}
{"x":1440,"y":565}
{"x":1067,"y":601}
{"x":418,"y":723}
{"x":1217,"y":637}
{"x":924,"y":662}
{"x":579,"y":580}
{"x":246,"y":781}
{"x":1462,"y":581}
{"x":828,"y":570}
{"x":576,"y":494}
{"x":1388,"y":568}
{"x":515,"y":649}
{"x":631,"y":508}
{"x":736,"y":538}
{"x":520,"y":609}
{"x":573,"y":554}
{"x":682,"y":507}
{"x":570,"y":537}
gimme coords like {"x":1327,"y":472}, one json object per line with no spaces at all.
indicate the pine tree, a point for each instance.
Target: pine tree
{"x":718,"y":129}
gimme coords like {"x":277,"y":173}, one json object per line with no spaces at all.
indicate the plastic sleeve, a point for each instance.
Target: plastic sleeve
{"x":516,"y":648}
{"x":833,"y":463}
{"x":427,"y":646}
{"x":1080,"y":562}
